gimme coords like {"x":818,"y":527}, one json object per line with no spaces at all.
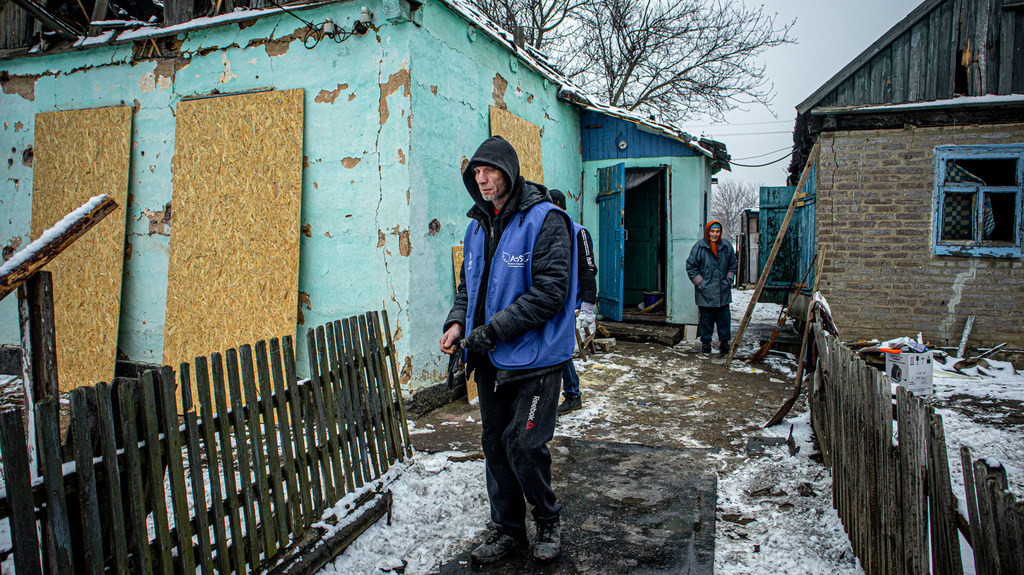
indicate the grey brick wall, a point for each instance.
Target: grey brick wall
{"x":875,"y":217}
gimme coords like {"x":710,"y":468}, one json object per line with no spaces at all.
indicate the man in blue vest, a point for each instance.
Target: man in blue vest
{"x":586,"y":297}
{"x":512,"y":305}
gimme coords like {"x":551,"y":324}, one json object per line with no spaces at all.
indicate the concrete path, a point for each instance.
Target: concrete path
{"x":632,"y":468}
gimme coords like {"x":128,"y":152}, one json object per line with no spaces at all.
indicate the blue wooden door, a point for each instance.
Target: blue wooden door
{"x":610,"y":202}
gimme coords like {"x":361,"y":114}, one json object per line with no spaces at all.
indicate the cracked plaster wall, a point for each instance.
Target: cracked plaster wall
{"x":345,"y":200}
{"x":453,"y":84}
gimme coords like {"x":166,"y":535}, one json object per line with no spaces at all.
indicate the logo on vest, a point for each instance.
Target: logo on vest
{"x":515,"y":261}
{"x":533,"y":410}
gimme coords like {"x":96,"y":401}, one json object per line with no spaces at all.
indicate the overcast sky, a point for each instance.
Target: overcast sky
{"x":829,"y":34}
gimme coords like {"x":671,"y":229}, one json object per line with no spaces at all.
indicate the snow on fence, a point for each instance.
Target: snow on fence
{"x":235,"y":484}
{"x":893,"y":492}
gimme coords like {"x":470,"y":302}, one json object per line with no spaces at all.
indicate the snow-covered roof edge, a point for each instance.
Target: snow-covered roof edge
{"x":567,"y":90}
{"x":959,"y":101}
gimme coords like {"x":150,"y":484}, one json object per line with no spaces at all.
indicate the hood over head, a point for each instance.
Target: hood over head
{"x":498,"y":153}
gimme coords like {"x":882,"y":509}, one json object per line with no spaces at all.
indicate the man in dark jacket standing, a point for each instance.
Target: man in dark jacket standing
{"x":586,"y":298}
{"x":512,"y":305}
{"x":711,"y":267}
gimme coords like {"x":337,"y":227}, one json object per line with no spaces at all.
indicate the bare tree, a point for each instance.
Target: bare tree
{"x":543,"y":22}
{"x":728,"y":202}
{"x":676,"y":59}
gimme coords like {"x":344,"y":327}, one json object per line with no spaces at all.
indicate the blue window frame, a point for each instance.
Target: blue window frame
{"x":978,"y":201}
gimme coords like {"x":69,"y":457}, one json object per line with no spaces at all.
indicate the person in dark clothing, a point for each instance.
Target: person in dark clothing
{"x":585,"y":300}
{"x":711,"y":267}
{"x":512,"y":303}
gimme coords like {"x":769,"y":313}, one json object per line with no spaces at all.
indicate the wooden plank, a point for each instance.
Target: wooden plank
{"x":294,"y":505}
{"x":268,"y":544}
{"x":137,"y":533}
{"x":366,"y":410}
{"x":91,"y":535}
{"x":990,"y":80}
{"x":109,"y":466}
{"x":738,"y":336}
{"x":349,"y":406}
{"x":176,"y":471}
{"x":339,"y":404}
{"x":294,"y":395}
{"x":900,"y":68}
{"x":153,"y":474}
{"x":373,"y":360}
{"x":18,"y":485}
{"x":52,"y":242}
{"x":371,"y":384}
{"x":213,"y":463}
{"x":330,"y":415}
{"x":918,"y":61}
{"x":39,"y":336}
{"x":195,"y":467}
{"x":399,"y":400}
{"x":227,"y":464}
{"x":277,"y":484}
{"x":177,"y":11}
{"x":319,"y":417}
{"x":253,"y":544}
{"x":1007,"y":31}
{"x":970,"y":492}
{"x":1017,"y":61}
{"x":99,"y":13}
{"x":57,"y":533}
{"x":989,"y":526}
{"x":387,"y":390}
{"x":360,"y":411}
{"x":313,"y":446}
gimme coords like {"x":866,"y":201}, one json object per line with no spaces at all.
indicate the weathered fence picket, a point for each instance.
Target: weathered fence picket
{"x":896,"y":501}
{"x":250,"y":464}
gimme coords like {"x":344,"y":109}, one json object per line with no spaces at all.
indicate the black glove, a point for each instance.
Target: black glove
{"x":482,"y":339}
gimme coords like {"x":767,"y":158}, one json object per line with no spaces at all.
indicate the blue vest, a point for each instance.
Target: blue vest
{"x":511,"y":276}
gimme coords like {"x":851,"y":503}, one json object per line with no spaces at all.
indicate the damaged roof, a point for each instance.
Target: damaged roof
{"x":144,"y":19}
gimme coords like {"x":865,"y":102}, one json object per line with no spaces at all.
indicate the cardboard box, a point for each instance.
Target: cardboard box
{"x":911,"y":370}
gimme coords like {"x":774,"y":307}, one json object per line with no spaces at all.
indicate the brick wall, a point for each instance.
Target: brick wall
{"x":874,"y":217}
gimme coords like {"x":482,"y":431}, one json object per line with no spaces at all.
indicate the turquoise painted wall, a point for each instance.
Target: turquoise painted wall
{"x":455,"y":66}
{"x":690,"y":181}
{"x":388,"y":118}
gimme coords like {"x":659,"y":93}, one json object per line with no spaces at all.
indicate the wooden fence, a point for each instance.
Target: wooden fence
{"x":893,"y":494}
{"x":235,"y":481}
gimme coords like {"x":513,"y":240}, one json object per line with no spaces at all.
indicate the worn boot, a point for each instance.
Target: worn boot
{"x":549,"y":540}
{"x":570,"y":404}
{"x":705,"y":347}
{"x":498,"y":546}
{"x":723,"y":347}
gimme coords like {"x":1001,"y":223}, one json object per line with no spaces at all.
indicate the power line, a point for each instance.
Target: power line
{"x":762,"y":165}
{"x":737,"y":124}
{"x":765,"y":154}
{"x":753,"y":134}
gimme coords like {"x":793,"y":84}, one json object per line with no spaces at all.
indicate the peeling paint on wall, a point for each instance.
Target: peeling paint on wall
{"x":498,"y":91}
{"x":226,"y":76}
{"x":401,"y":156}
{"x":328,"y":97}
{"x":404,"y":245}
{"x":17,"y":126}
{"x":433,"y":227}
{"x":406,"y":375}
{"x":307,"y":230}
{"x":304,"y":300}
{"x":24,"y":86}
{"x":380,"y":239}
{"x":350,"y":162}
{"x":159,"y":221}
{"x":954,"y":299}
{"x":433,"y":89}
{"x":26,"y":157}
{"x":399,"y":79}
{"x":13,"y":245}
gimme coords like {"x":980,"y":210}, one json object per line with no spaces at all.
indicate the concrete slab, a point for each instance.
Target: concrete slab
{"x":628,"y":508}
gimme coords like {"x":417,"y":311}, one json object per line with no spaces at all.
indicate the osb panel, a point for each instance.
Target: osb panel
{"x":457,"y":263}
{"x":234,"y":250}
{"x":77,"y":155}
{"x":524,"y":137}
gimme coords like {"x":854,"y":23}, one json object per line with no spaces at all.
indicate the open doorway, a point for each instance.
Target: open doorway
{"x":644,"y":258}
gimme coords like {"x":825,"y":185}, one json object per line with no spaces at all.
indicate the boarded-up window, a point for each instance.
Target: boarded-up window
{"x":524,"y":137}
{"x":77,"y":155}
{"x":234,"y":253}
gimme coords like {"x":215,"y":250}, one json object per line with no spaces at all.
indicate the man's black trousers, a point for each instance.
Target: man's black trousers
{"x":518,"y":420}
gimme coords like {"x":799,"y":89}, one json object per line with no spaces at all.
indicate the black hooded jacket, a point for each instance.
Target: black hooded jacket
{"x":551,"y":263}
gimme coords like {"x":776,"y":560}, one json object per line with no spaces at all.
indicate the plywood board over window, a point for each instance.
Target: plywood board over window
{"x":234,"y":253}
{"x":77,"y":155}
{"x":524,"y":137}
